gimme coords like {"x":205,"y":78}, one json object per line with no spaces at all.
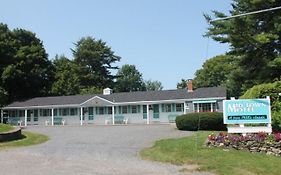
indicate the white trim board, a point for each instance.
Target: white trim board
{"x":114,"y":104}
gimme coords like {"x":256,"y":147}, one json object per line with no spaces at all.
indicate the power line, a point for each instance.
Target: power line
{"x":244,"y":14}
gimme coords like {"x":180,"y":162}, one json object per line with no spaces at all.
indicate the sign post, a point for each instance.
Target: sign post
{"x":247,"y":111}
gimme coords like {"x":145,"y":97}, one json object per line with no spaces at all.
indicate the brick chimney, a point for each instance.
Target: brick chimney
{"x":189,"y":85}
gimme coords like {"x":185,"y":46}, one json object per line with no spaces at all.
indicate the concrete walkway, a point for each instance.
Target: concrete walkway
{"x":88,"y":150}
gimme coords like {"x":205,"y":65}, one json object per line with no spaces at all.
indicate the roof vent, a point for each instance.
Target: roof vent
{"x":107,"y":91}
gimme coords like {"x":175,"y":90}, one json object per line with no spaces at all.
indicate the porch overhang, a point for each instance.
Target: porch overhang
{"x":96,"y":101}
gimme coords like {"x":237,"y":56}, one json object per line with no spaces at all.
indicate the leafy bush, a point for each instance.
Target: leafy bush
{"x":272,"y":90}
{"x":201,"y":121}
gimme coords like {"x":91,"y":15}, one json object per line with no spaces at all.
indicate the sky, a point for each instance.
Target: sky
{"x":163,"y":38}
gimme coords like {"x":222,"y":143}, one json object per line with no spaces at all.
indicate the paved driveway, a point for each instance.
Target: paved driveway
{"x":99,"y":150}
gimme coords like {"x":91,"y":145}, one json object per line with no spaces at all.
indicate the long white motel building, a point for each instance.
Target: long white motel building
{"x":142,"y":107}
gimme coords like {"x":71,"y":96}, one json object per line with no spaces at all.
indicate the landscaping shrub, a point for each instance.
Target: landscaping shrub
{"x":272,"y":90}
{"x":208,"y":121}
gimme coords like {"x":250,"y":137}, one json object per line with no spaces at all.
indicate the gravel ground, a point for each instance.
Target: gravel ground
{"x":99,"y":150}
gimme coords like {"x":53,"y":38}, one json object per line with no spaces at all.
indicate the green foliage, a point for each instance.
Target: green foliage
{"x":153,"y":85}
{"x":254,"y":39}
{"x":129,"y":79}
{"x":181,"y":84}
{"x":91,"y":90}
{"x":268,"y":89}
{"x":25,"y":70}
{"x":201,"y":121}
{"x":215,"y":71}
{"x":3,"y":97}
{"x":5,"y":128}
{"x":28,"y":139}
{"x":66,"y":77}
{"x":94,"y":59}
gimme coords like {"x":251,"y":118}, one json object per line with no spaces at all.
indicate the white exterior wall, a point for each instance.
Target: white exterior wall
{"x":41,"y":120}
{"x":98,"y":119}
{"x":70,"y":120}
{"x":134,"y":118}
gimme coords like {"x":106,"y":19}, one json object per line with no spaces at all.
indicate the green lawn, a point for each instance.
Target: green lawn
{"x":192,"y":150}
{"x":27,"y":140}
{"x":5,"y":128}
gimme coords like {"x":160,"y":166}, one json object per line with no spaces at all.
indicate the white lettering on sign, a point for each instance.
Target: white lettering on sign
{"x":247,"y":107}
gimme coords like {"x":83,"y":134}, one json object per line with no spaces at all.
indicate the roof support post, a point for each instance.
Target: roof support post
{"x":2,"y":114}
{"x":25,"y":117}
{"x":81,"y":115}
{"x":184,"y":108}
{"x":113,"y":115}
{"x":52,"y":115}
{"x":147,"y":112}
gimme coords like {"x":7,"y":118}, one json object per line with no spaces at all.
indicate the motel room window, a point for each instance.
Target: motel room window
{"x":215,"y":107}
{"x":21,"y":113}
{"x":73,"y":111}
{"x":35,"y":113}
{"x":109,"y":110}
{"x":179,"y":107}
{"x":45,"y":112}
{"x":91,"y":113}
{"x":28,"y":115}
{"x":167,"y":107}
{"x":12,"y":113}
{"x":91,"y":110}
{"x":205,"y":107}
{"x":55,"y":112}
{"x":65,"y":111}
{"x":124,"y":109}
{"x":101,"y":110}
{"x":134,"y":109}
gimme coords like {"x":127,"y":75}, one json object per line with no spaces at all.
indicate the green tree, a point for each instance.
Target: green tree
{"x":255,"y":39}
{"x":7,"y":49}
{"x":129,"y":79}
{"x":95,"y":60}
{"x":3,"y":97}
{"x":153,"y":85}
{"x":215,"y":71}
{"x":91,"y":90}
{"x":25,"y":69}
{"x":181,"y":84}
{"x":66,"y":77}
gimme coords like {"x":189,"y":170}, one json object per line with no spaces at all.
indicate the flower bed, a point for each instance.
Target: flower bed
{"x":261,"y":142}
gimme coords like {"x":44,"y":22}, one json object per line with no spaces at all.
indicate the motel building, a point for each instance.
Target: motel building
{"x":142,"y":107}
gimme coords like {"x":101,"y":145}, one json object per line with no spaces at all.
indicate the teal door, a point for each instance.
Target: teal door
{"x":144,"y":112}
{"x":156,"y":111}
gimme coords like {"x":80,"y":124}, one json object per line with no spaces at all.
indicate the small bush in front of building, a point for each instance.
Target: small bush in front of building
{"x":201,"y":121}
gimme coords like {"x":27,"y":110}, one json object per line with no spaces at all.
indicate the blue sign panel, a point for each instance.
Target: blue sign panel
{"x":247,"y":111}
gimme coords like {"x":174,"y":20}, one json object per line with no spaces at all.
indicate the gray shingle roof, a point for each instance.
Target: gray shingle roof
{"x":210,"y":92}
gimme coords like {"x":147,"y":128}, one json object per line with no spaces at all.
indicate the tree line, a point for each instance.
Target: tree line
{"x":254,"y":56}
{"x":26,"y":71}
{"x":252,"y":66}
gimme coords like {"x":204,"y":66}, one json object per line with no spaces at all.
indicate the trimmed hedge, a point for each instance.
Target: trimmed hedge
{"x":212,"y":121}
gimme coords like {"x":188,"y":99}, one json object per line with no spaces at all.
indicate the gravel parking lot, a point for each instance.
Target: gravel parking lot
{"x":99,"y":150}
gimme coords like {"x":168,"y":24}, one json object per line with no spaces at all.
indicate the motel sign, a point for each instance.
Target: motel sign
{"x":247,"y":111}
